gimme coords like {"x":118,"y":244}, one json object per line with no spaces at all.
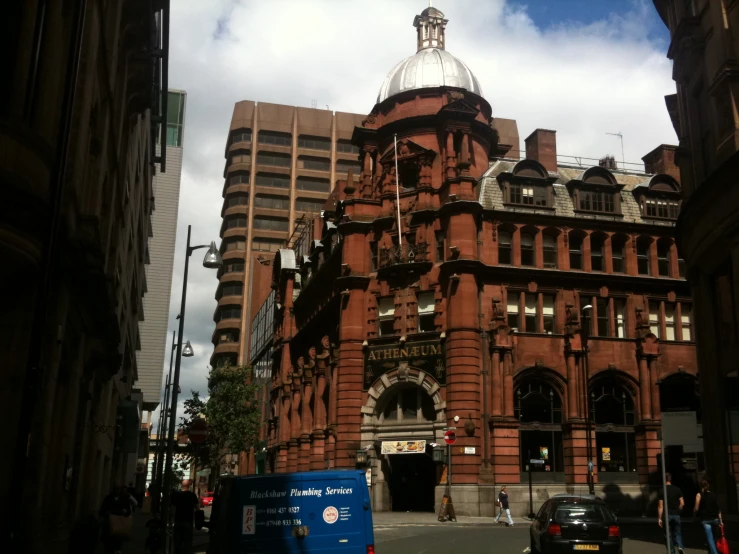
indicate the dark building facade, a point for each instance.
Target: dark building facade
{"x":704,"y":49}
{"x":536,"y":306}
{"x":79,"y":107}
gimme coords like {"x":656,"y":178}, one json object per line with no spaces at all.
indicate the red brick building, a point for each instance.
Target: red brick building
{"x":474,"y":299}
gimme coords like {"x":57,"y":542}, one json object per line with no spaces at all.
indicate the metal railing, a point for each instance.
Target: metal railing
{"x":405,"y":254}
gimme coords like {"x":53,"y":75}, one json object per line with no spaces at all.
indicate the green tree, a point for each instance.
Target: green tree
{"x":232,"y":414}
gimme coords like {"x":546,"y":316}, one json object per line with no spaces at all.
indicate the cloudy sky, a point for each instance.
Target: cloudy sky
{"x":582,"y":67}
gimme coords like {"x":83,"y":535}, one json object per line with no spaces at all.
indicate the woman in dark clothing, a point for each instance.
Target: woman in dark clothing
{"x":706,"y":508}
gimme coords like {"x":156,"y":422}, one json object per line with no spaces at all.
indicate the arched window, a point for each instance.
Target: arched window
{"x":612,"y":411}
{"x":597,"y":243}
{"x":527,"y":250}
{"x":538,"y":408}
{"x":618,"y":246}
{"x":663,"y":257}
{"x":575,"y":251}
{"x":408,"y":405}
{"x":642,"y":255}
{"x":504,"y":248}
{"x":550,"y":250}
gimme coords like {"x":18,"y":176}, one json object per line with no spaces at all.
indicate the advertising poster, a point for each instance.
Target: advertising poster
{"x":606,"y":454}
{"x":544,"y":452}
{"x":403,"y":447}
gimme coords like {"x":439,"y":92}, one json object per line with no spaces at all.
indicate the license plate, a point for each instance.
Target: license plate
{"x":586,"y":547}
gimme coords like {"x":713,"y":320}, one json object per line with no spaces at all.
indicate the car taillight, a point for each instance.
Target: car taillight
{"x":370,"y":549}
{"x":614,"y":531}
{"x":554,"y":529}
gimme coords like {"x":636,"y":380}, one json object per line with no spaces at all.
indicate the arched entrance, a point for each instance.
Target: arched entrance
{"x":538,"y":408}
{"x":612,"y":412}
{"x":403,"y":417}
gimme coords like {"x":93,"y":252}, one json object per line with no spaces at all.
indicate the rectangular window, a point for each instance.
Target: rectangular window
{"x":243,"y":135}
{"x":596,"y":253}
{"x":315,"y":143}
{"x":664,"y":209}
{"x":315,"y":164}
{"x":528,"y":195}
{"x":619,"y":307}
{"x":440,"y":237}
{"x":681,"y":267}
{"x":235,"y":245}
{"x":669,"y":321}
{"x":516,"y":194}
{"x":267,"y":245}
{"x":275,"y":138}
{"x":309,"y":205}
{"x":270,"y":223}
{"x":531,"y":312}
{"x":642,"y":258}
{"x":512,"y":310}
{"x":274,"y":181}
{"x":654,"y":326}
{"x":237,"y":200}
{"x":233,"y":267}
{"x":386,"y":315}
{"x":426,"y":304}
{"x":346,"y":147}
{"x":527,"y":249}
{"x":272,"y":202}
{"x":685,"y":321}
{"x":239,"y":179}
{"x":272,"y":158}
{"x":663,"y":259}
{"x":548,"y":314}
{"x":601,"y":305}
{"x":575,"y":252}
{"x":315,"y":185}
{"x":235,"y":222}
{"x":343,"y":166}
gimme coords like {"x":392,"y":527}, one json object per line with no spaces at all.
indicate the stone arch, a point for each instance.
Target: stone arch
{"x":391,"y":381}
{"x":546,"y":374}
{"x":530,"y":168}
{"x":621,"y":377}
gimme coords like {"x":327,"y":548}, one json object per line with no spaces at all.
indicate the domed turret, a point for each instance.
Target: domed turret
{"x":431,"y":66}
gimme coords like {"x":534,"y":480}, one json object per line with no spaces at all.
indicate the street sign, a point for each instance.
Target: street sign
{"x":590,"y":466}
{"x":537,"y":462}
{"x":450,"y":437}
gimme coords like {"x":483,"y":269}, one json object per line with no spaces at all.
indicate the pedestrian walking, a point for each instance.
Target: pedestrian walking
{"x":185,"y":504}
{"x":675,"y":503}
{"x":708,"y":513}
{"x":116,"y":512}
{"x":502,"y":503}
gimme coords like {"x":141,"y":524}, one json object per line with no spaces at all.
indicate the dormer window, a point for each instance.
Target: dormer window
{"x":659,"y":198}
{"x":596,"y":190}
{"x":597,"y":201}
{"x":528,"y":184}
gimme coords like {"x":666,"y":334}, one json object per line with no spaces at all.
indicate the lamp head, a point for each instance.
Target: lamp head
{"x":587,"y":307}
{"x":213,"y":258}
{"x":187,"y":351}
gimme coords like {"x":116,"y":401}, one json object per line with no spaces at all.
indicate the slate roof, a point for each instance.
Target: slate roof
{"x":490,"y":194}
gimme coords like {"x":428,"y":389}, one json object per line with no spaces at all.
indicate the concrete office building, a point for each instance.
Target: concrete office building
{"x":281,"y":163}
{"x":151,"y":358}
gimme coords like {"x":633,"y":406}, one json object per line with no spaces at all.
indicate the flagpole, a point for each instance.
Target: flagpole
{"x":397,"y":193}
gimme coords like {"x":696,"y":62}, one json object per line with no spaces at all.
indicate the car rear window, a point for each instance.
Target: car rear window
{"x":580,"y":512}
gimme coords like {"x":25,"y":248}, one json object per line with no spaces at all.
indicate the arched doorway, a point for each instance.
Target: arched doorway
{"x":612,"y":412}
{"x":538,"y":408}
{"x":411,"y":477}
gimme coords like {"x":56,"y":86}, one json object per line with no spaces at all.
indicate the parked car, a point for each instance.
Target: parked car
{"x":206,"y":499}
{"x":570,"y":523}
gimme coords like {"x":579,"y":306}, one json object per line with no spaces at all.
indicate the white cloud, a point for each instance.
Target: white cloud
{"x":582,"y":80}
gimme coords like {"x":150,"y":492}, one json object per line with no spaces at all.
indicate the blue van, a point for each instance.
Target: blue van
{"x":310,"y":512}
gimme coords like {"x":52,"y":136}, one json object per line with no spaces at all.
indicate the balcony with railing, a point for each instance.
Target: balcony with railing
{"x":405,"y":256}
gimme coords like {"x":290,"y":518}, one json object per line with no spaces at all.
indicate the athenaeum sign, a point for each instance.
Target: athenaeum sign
{"x":427,"y":355}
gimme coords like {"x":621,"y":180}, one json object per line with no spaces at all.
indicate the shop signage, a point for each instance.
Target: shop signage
{"x":427,"y":355}
{"x":403,"y":447}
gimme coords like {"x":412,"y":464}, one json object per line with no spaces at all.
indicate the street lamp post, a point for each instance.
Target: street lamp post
{"x":161,"y":434}
{"x":212,"y":260}
{"x":586,"y":311}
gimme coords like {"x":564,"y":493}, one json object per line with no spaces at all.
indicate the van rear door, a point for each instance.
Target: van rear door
{"x":339,"y":519}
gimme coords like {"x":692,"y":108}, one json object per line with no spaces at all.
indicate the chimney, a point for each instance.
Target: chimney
{"x":541,"y":145}
{"x":662,"y":160}
{"x":609,"y":162}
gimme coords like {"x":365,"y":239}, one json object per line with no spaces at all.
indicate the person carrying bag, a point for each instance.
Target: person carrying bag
{"x":116,"y":513}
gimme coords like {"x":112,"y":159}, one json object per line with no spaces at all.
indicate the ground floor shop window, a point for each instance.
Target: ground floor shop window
{"x":612,"y":412}
{"x":538,"y":408}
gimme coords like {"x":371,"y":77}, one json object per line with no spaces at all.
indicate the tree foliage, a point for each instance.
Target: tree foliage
{"x":232,"y":414}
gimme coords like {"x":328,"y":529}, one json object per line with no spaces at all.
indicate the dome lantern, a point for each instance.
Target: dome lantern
{"x":430,"y":27}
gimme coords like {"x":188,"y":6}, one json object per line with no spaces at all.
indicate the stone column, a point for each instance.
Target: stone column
{"x":293,"y":445}
{"x":573,"y":404}
{"x":508,"y":384}
{"x":496,"y":382}
{"x":645,"y":395}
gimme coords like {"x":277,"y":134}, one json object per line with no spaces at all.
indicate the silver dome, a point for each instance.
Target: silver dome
{"x":428,"y":68}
